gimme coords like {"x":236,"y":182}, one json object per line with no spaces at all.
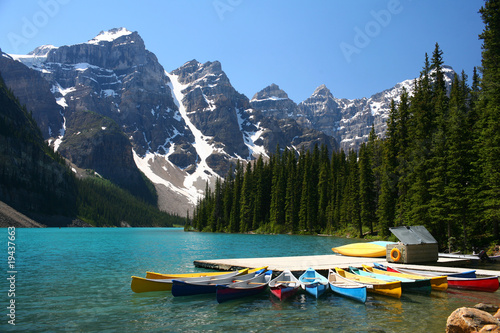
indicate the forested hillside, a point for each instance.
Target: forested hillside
{"x":438,"y":166}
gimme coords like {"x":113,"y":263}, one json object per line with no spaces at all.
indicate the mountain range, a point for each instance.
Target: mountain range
{"x":108,"y":105}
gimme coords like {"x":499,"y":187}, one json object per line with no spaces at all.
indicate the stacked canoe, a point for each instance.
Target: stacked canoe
{"x":353,"y":283}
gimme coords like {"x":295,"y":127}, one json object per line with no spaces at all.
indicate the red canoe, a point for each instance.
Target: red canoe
{"x":284,"y":285}
{"x":488,"y":283}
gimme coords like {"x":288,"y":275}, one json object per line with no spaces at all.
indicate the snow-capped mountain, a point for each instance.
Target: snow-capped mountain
{"x":117,"y":111}
{"x":108,"y":105}
{"x":350,"y":121}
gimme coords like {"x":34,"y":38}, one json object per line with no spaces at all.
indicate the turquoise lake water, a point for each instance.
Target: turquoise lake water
{"x":78,"y":280}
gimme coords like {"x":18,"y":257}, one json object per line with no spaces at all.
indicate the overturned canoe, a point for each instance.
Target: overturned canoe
{"x":370,"y":250}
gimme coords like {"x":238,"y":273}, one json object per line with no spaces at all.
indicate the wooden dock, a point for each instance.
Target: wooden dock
{"x":322,"y":263}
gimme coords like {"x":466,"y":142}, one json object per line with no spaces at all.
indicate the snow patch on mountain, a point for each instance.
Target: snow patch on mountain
{"x":251,"y":137}
{"x":109,"y":36}
{"x":32,"y":61}
{"x":204,"y":149}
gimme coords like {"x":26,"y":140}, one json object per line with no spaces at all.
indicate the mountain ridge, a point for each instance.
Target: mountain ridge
{"x":190,"y":126}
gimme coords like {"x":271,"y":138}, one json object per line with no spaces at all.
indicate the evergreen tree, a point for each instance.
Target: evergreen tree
{"x":217,"y":211}
{"x":305,"y":188}
{"x":366,"y":188}
{"x":438,"y":158}
{"x":277,"y":209}
{"x":414,"y":209}
{"x":388,"y":186}
{"x":459,"y":159}
{"x":291,"y":196}
{"x":258,"y":204}
{"x":324,"y":182}
{"x":234,"y":219}
{"x":340,"y":173}
{"x":246,"y":200}
{"x":402,"y":157}
{"x":227,"y":200}
{"x":489,"y":114}
{"x":312,"y":211}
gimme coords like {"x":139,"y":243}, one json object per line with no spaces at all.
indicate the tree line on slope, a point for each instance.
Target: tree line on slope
{"x":438,"y":166}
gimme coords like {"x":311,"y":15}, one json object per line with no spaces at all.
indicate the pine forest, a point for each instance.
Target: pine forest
{"x":438,"y":165}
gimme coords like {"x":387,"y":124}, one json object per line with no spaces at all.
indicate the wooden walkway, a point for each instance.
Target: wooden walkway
{"x":322,"y":263}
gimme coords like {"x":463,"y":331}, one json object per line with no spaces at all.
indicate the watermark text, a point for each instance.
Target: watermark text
{"x":11,"y":273}
{"x":31,"y":25}
{"x":373,"y":28}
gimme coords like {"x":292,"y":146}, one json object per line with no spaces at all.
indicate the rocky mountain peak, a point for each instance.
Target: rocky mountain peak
{"x":42,"y":51}
{"x":272,"y":91}
{"x":322,"y":90}
{"x":113,"y":49}
{"x":193,"y":70}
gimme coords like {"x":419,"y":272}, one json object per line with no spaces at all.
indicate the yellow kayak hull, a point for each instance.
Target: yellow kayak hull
{"x":391,"y":289}
{"x":438,"y":283}
{"x":369,"y":250}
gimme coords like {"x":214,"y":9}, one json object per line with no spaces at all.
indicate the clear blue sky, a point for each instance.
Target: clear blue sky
{"x":355,"y":48}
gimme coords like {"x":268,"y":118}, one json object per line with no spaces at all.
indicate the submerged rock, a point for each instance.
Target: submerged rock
{"x":490,"y":308}
{"x":465,"y":320}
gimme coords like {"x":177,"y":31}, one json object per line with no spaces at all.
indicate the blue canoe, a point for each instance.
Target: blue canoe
{"x":313,"y":282}
{"x":347,"y":288}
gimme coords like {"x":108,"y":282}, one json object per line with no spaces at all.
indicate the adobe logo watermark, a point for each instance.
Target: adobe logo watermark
{"x":373,"y":28}
{"x":31,"y":25}
{"x":224,"y":6}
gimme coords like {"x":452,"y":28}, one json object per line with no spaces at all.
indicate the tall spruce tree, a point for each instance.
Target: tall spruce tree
{"x":291,"y":195}
{"x":246,"y":200}
{"x":459,"y":161}
{"x":305,"y":188}
{"x":402,"y":155}
{"x":489,"y":115}
{"x":234,"y":219}
{"x":277,"y":209}
{"x":388,"y":188}
{"x":414,"y":209}
{"x":438,"y":157}
{"x":366,"y":188}
{"x":258,"y":204}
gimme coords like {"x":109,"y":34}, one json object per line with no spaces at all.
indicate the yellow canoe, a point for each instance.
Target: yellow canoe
{"x":392,"y":289}
{"x":439,"y":283}
{"x":141,"y":285}
{"x":361,"y":250}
